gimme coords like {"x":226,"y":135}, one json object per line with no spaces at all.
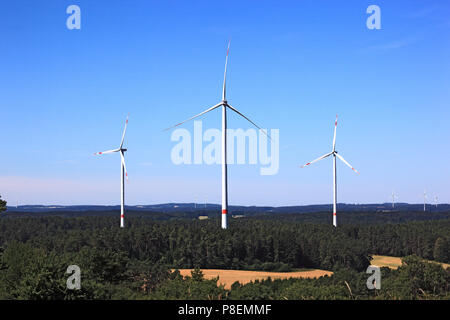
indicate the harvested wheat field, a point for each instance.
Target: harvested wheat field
{"x":386,"y":261}
{"x":394,"y":262}
{"x":228,"y":277}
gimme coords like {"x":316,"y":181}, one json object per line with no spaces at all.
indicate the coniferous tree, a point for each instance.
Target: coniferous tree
{"x":2,"y":204}
{"x":441,"y":250}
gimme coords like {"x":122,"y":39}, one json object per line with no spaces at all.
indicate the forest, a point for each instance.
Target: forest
{"x":140,"y":261}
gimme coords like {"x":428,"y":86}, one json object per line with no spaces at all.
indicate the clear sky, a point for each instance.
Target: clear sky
{"x":293,"y":65}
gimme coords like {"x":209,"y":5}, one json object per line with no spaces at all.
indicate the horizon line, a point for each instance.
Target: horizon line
{"x":218,"y":204}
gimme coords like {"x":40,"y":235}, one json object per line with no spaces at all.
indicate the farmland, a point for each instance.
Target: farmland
{"x":228,"y":277}
{"x":395,"y":262}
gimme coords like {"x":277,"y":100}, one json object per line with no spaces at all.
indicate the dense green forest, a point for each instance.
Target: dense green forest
{"x":344,"y":217}
{"x":135,"y":262}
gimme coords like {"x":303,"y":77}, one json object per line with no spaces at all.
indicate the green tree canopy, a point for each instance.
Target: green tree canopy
{"x":2,"y":204}
{"x":441,"y":250}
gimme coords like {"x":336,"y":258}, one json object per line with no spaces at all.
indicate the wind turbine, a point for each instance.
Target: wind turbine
{"x":394,"y":196}
{"x":424,"y":199}
{"x":335,"y":154}
{"x":436,"y":200}
{"x":123,"y":169}
{"x":224,"y":104}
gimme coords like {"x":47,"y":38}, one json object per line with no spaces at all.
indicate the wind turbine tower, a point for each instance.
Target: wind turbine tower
{"x":424,"y":200}
{"x":123,"y":169}
{"x":225,"y":105}
{"x":394,"y":196}
{"x":335,"y":154}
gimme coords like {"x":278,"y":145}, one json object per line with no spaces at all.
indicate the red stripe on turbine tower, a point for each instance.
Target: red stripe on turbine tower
{"x":224,"y":211}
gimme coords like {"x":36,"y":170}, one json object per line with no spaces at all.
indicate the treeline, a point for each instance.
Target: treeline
{"x":346,"y":218}
{"x":247,"y":244}
{"x":324,"y":217}
{"x":429,"y":240}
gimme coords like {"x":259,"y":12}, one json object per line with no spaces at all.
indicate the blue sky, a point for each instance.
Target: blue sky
{"x":293,"y":66}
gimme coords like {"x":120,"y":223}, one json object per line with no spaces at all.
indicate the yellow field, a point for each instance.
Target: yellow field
{"x":228,"y":277}
{"x":386,"y":261}
{"x":394,"y":262}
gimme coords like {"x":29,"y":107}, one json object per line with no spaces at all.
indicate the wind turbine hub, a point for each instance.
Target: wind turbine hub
{"x":123,"y":150}
{"x":225,"y":102}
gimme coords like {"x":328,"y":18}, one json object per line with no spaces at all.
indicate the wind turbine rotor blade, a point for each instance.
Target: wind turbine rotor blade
{"x":348,"y":164}
{"x":124,"y":130}
{"x":198,"y":115}
{"x":124,"y":166}
{"x":225,"y":73}
{"x":235,"y":110}
{"x":334,"y":137}
{"x":318,"y":159}
{"x":105,"y":152}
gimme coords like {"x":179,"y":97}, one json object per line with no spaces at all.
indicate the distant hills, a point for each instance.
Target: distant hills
{"x":348,"y":213}
{"x":250,"y":210}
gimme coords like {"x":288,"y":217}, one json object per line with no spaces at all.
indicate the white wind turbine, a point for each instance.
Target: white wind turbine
{"x":335,"y":154}
{"x":123,"y":169}
{"x":394,"y":196}
{"x":224,"y":104}
{"x":424,"y":199}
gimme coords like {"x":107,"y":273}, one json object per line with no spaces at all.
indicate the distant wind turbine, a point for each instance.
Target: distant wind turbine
{"x":123,"y":169}
{"x":424,"y":199}
{"x":394,"y":196}
{"x":224,"y":104}
{"x":436,"y":200}
{"x":335,"y":154}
